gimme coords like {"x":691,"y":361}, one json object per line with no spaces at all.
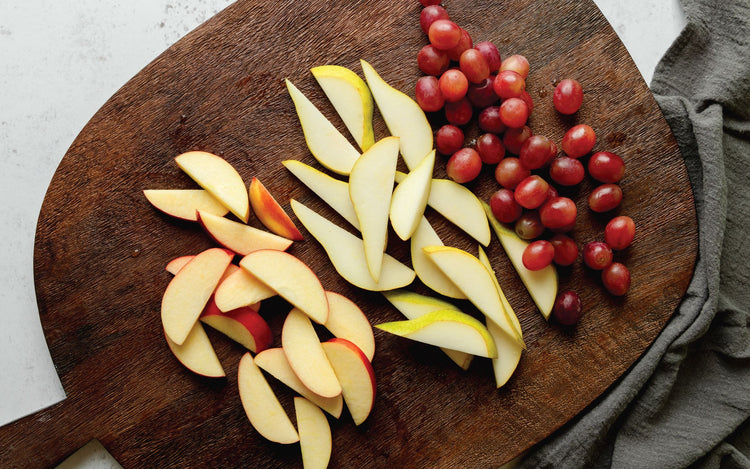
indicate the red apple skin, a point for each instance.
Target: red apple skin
{"x":247,"y":316}
{"x":270,"y":213}
{"x":362,"y":356}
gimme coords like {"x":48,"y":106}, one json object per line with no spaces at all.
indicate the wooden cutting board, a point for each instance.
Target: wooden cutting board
{"x":101,"y":248}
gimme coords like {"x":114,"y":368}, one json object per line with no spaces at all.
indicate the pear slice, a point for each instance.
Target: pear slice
{"x":425,"y":269}
{"x":351,"y":98}
{"x":506,"y":305}
{"x":541,"y":284}
{"x":325,"y":142}
{"x":333,"y":191}
{"x":413,"y":305}
{"x":475,"y":280}
{"x":410,"y":198}
{"x":403,"y":117}
{"x":446,"y":328}
{"x":459,"y":206}
{"x":347,"y":254}
{"x":370,"y":188}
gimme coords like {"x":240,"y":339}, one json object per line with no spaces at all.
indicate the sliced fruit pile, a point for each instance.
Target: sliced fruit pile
{"x":208,"y":288}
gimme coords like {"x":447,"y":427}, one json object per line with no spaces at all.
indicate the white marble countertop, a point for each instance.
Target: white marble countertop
{"x":60,"y":62}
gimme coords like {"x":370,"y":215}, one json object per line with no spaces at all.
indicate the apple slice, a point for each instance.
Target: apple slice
{"x":274,"y":362}
{"x":475,"y":280}
{"x":240,"y":289}
{"x":347,"y":254}
{"x":189,"y":291}
{"x":333,"y":191}
{"x":219,"y":178}
{"x":351,"y":98}
{"x":261,"y":405}
{"x":413,"y":305}
{"x":238,"y":237}
{"x":403,"y":117}
{"x":448,"y":329}
{"x":306,"y":357}
{"x":177,"y":263}
{"x":314,"y":434}
{"x":197,"y":353}
{"x":425,"y":269}
{"x":541,"y":284}
{"x":270,"y":213}
{"x":347,"y":321}
{"x":370,"y":188}
{"x":459,"y":206}
{"x":243,"y":325}
{"x":183,"y":203}
{"x":355,"y":374}
{"x":410,"y":198}
{"x":325,"y":142}
{"x":291,"y":278}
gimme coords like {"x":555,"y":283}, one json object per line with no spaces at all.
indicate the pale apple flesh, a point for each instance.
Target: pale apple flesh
{"x":356,"y":376}
{"x":183,"y":203}
{"x":347,"y":321}
{"x":240,"y":289}
{"x":314,"y":434}
{"x":426,"y":270}
{"x":238,"y":237}
{"x":177,"y":263}
{"x":410,"y":198}
{"x":197,"y":353}
{"x":270,"y":212}
{"x":243,"y":325}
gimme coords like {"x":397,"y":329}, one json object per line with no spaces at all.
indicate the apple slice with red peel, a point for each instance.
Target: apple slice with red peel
{"x":177,"y":263}
{"x":314,"y":434}
{"x":243,"y":325}
{"x":291,"y":278}
{"x":355,"y":374}
{"x":240,"y":289}
{"x":183,"y":203}
{"x":270,"y":213}
{"x":426,"y":270}
{"x":306,"y":357}
{"x":219,"y":178}
{"x":189,"y":291}
{"x":347,"y":321}
{"x":274,"y":362}
{"x":197,"y":353}
{"x":238,"y":237}
{"x":261,"y":405}
{"x":410,"y":198}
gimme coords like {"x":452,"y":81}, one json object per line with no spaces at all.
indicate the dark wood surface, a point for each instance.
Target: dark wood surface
{"x":100,"y":248}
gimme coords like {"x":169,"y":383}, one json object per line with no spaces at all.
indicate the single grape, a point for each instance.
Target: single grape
{"x":527,"y":99}
{"x":514,"y":113}
{"x":474,"y":66}
{"x":428,"y":94}
{"x":597,"y":255}
{"x":509,"y":172}
{"x":566,"y":249}
{"x":619,"y":232}
{"x":517,"y":63}
{"x":449,"y":139}
{"x":605,"y":166}
{"x":558,"y":213}
{"x":491,"y":54}
{"x":482,"y":95}
{"x":538,"y":255}
{"x":568,"y":96}
{"x":489,"y":119}
{"x":463,"y":44}
{"x":513,"y":139}
{"x":616,"y":278}
{"x":459,"y":112}
{"x":535,"y":152}
{"x":453,"y":85}
{"x":528,"y":226}
{"x":578,"y":141}
{"x":509,"y":84}
{"x":490,"y":148}
{"x":532,"y":192}
{"x":430,"y":14}
{"x":504,"y":206}
{"x":567,"y":309}
{"x":464,"y":165}
{"x":605,"y":198}
{"x":444,"y":34}
{"x":432,"y":61}
{"x":566,"y":171}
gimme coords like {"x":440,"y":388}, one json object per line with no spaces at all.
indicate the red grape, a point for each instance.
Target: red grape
{"x":558,"y":212}
{"x":552,"y":148}
{"x":538,"y":255}
{"x":490,"y":148}
{"x":504,"y":206}
{"x":428,"y":94}
{"x":616,"y":278}
{"x":509,"y":84}
{"x":527,"y":99}
{"x":597,"y":255}
{"x":474,"y":66}
{"x":432,"y":61}
{"x":431,"y":14}
{"x":489,"y":119}
{"x":453,"y":85}
{"x":444,"y":34}
{"x":509,"y":172}
{"x":491,"y":54}
{"x":517,"y":63}
{"x":464,"y":165}
{"x":578,"y":141}
{"x":513,"y":139}
{"x":566,"y":171}
{"x":426,"y":3}
{"x":605,"y":198}
{"x":568,"y":96}
{"x":449,"y":139}
{"x":531,"y":192}
{"x":514,"y":112}
{"x":528,"y":226}
{"x":566,"y":250}
{"x":459,"y":112}
{"x":567,"y":309}
{"x":482,"y":94}
{"x":535,"y":152}
{"x":619,"y":232}
{"x":605,"y":166}
{"x":463,"y":44}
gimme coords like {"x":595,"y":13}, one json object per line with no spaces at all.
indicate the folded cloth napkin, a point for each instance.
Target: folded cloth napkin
{"x":686,"y":402}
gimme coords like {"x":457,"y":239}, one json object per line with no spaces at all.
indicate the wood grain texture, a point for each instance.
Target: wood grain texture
{"x":101,"y":248}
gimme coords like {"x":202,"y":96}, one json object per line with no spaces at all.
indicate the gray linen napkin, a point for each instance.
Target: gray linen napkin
{"x":686,"y":402}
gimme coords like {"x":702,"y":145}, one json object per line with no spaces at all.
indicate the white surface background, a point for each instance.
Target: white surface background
{"x":59,"y":62}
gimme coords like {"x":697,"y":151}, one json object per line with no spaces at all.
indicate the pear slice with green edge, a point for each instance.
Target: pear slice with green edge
{"x":410,"y":198}
{"x":506,"y":305}
{"x":425,"y":269}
